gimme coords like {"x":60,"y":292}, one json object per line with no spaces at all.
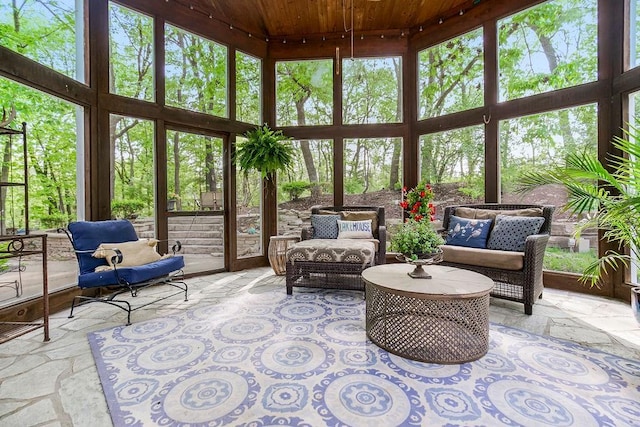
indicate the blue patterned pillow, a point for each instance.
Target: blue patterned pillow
{"x":471,"y":233}
{"x":511,"y":232}
{"x":325,"y":226}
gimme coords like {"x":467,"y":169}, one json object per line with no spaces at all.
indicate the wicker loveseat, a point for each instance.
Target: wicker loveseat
{"x":336,"y":262}
{"x":517,"y":274}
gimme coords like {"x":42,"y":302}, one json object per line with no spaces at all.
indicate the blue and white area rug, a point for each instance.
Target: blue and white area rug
{"x":304,"y":360}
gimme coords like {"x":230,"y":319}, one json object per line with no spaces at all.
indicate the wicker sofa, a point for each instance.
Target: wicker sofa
{"x":338,"y":262}
{"x":517,"y":275}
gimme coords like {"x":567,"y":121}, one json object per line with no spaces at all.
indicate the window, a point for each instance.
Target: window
{"x":304,"y":93}
{"x":634,"y":32}
{"x":55,"y":139}
{"x":132,"y":189}
{"x":130,"y":53}
{"x":196,"y":73}
{"x":248,"y":212}
{"x":310,"y":179}
{"x":248,"y":88}
{"x":372,"y":90}
{"x":538,"y":141}
{"x":634,"y":122}
{"x":195,"y":184}
{"x":547,"y":47}
{"x":453,"y":163}
{"x":372,"y":170}
{"x":50,"y":32}
{"x":451,"y":76}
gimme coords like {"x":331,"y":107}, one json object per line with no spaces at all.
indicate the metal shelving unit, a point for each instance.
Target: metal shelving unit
{"x":23,"y":244}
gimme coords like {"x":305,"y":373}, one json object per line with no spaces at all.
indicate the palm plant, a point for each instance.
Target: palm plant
{"x":616,"y":200}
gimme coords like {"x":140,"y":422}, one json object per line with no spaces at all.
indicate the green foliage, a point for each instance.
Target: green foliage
{"x":413,"y":238}
{"x":296,"y":188}
{"x":126,"y":208}
{"x":54,"y":221}
{"x":264,"y":150}
{"x":556,"y":259}
{"x":616,"y":200}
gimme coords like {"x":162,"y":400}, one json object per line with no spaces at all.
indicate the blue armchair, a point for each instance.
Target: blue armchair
{"x":115,"y":269}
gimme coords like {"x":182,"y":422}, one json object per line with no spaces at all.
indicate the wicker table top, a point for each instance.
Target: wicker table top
{"x":446,"y":282}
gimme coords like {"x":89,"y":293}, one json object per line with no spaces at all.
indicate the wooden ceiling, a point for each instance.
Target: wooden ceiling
{"x":282,"y":18}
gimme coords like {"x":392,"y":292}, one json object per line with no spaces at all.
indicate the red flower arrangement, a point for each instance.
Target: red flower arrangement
{"x":417,"y":202}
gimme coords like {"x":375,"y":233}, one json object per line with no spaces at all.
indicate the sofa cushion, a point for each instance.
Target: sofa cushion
{"x":325,"y":226}
{"x":468,"y":232}
{"x":510,"y":232}
{"x":133,"y":275}
{"x":355,"y":229}
{"x":491,"y":213}
{"x":357,"y":251}
{"x":504,"y":260}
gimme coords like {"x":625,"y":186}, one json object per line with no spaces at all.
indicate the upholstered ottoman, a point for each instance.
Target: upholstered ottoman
{"x":329,"y":263}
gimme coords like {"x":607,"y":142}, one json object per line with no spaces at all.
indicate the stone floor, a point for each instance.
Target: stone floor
{"x":56,"y":383}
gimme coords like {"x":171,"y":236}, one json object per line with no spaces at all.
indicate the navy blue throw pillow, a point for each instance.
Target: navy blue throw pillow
{"x":468,"y":232}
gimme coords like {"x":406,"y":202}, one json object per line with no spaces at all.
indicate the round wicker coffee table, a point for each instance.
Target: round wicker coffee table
{"x":444,"y":319}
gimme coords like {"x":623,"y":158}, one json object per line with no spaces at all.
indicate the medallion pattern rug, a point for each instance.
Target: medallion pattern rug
{"x":268,"y":359}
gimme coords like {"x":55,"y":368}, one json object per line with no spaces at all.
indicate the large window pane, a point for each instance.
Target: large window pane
{"x":130,"y":53}
{"x":196,"y":72}
{"x":548,"y":47}
{"x":50,"y":32}
{"x":372,"y":90}
{"x":52,"y":138}
{"x":634,"y":32}
{"x":451,"y":76}
{"x":373,"y":172}
{"x":248,"y":88}
{"x":248,"y":212}
{"x":132,"y":188}
{"x":634,"y":121}
{"x":304,"y":93}
{"x":453,"y":163}
{"x":195,"y":183}
{"x":309,"y":182}
{"x":544,"y":140}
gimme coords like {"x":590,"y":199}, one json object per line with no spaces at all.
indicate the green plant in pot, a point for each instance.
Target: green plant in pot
{"x":416,"y":239}
{"x":264,"y":150}
{"x":616,"y":201}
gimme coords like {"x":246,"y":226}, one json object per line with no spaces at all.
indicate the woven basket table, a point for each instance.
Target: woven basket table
{"x":444,"y":319}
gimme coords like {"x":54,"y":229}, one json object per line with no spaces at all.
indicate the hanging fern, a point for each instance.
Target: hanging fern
{"x":265,"y":150}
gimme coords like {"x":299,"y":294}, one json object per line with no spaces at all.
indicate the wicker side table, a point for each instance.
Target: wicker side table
{"x":444,"y":319}
{"x":278,"y":252}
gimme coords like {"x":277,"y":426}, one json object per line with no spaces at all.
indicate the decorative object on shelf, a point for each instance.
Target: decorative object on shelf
{"x":417,"y":202}
{"x":265,"y":150}
{"x":422,"y":260}
{"x":414,"y":238}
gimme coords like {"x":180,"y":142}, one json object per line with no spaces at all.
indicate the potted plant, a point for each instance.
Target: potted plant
{"x":616,"y":200}
{"x":416,"y":239}
{"x":264,"y":150}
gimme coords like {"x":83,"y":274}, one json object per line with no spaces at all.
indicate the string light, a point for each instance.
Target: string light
{"x":304,"y":40}
{"x":191,"y":6}
{"x":461,"y":12}
{"x":440,"y":21}
{"x":230,"y":26}
{"x":420,"y":27}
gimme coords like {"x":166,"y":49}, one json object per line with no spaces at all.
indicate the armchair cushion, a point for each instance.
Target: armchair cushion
{"x":88,"y":235}
{"x":325,"y":226}
{"x":511,"y":232}
{"x":138,"y":274}
{"x":137,"y":252}
{"x":468,"y":232}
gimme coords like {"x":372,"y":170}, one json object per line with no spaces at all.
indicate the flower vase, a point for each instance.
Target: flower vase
{"x":635,"y":303}
{"x":422,"y":260}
